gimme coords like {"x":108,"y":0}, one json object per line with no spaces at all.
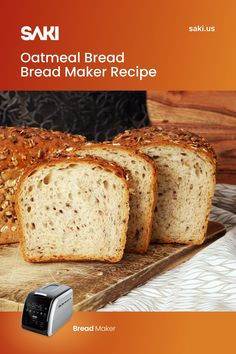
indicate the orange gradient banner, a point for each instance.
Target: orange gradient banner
{"x":152,"y":34}
{"x":139,"y":333}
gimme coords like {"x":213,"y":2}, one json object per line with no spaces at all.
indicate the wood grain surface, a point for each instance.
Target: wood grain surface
{"x":94,"y":284}
{"x":211,"y":114}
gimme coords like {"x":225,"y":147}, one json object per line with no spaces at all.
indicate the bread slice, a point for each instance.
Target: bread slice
{"x":186,"y":180}
{"x":20,"y":148}
{"x":73,"y":209}
{"x":142,"y":187}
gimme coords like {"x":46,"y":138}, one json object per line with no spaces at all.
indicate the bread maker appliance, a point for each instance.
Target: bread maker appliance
{"x":47,"y":308}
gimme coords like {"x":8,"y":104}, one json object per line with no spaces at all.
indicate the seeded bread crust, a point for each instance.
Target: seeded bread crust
{"x":98,"y":162}
{"x":156,"y":136}
{"x":153,"y":135}
{"x":141,"y":246}
{"x":19,"y":148}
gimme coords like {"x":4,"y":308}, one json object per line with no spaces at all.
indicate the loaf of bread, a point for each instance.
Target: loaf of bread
{"x":73,"y":209}
{"x":142,"y":188}
{"x":19,"y":148}
{"x":186,"y":166}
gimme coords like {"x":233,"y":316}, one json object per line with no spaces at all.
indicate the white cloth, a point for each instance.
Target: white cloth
{"x":207,"y":282}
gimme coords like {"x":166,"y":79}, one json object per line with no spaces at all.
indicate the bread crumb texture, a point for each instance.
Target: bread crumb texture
{"x":73,"y":211}
{"x":186,"y":180}
{"x":20,"y":148}
{"x":142,"y":189}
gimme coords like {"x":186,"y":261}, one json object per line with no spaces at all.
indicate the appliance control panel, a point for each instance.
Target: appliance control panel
{"x":36,"y":312}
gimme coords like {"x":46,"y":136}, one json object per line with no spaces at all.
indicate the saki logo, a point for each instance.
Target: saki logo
{"x":43,"y":34}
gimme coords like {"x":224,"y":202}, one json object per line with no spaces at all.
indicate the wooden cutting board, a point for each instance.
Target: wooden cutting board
{"x":95,"y":284}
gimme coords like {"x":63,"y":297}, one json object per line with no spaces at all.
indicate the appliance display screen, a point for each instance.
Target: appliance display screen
{"x":36,"y":312}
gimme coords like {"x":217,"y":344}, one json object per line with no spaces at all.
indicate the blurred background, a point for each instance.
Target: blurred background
{"x":100,"y":115}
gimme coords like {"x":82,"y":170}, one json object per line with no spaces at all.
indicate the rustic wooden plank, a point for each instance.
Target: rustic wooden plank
{"x":95,"y":284}
{"x":214,"y":101}
{"x":210,"y":114}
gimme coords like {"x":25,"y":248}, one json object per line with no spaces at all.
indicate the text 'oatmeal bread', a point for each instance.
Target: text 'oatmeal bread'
{"x":142,"y":188}
{"x":73,"y":209}
{"x":19,"y":148}
{"x":186,"y":166}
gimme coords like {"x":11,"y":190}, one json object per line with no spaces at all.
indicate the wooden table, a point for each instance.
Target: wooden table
{"x":211,"y":114}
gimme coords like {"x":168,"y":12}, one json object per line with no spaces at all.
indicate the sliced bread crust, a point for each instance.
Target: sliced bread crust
{"x":153,"y":136}
{"x":186,"y":166}
{"x":19,"y":148}
{"x":142,"y":187}
{"x":110,"y":170}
